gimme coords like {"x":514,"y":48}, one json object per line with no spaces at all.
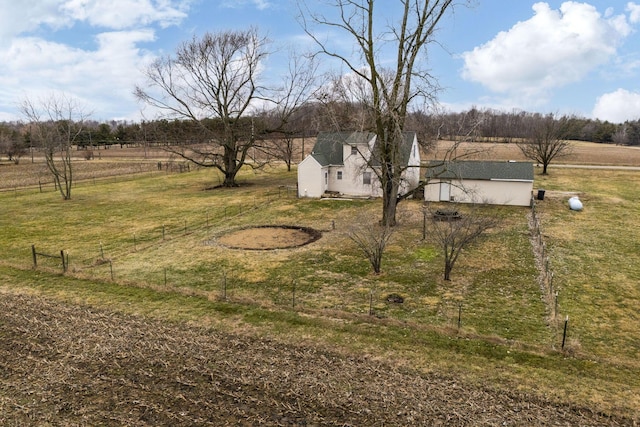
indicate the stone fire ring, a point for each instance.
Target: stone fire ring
{"x":268,"y":237}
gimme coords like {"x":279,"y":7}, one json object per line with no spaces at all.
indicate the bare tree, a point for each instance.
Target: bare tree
{"x":215,"y":77}
{"x":389,"y":91}
{"x":371,"y":238}
{"x":285,"y":120}
{"x":620,"y":136}
{"x":453,"y":232}
{"x":545,"y":140}
{"x":55,"y":124}
{"x":12,"y":144}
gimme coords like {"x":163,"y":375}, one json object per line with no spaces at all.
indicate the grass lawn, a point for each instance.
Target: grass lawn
{"x":148,"y":245}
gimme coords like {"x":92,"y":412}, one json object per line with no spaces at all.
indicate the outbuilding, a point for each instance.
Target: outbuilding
{"x":487,"y":182}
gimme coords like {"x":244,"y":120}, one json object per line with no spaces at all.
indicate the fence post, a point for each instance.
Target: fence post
{"x":293,"y":299}
{"x":564,"y":334}
{"x":424,"y":224}
{"x":224,"y":285}
{"x":64,"y":264}
{"x":35,"y":257}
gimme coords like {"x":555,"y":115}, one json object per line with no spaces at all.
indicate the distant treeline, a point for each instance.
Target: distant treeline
{"x":473,"y":125}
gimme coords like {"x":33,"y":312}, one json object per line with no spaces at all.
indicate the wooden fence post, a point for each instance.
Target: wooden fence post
{"x":293,"y":299}
{"x":35,"y":257}
{"x":224,"y":285}
{"x":64,"y":264}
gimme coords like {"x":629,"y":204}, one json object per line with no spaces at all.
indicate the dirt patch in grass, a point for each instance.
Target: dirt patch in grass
{"x":69,"y":365}
{"x":269,"y":237}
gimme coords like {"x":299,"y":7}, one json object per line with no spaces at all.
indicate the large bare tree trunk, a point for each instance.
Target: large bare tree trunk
{"x":386,"y":92}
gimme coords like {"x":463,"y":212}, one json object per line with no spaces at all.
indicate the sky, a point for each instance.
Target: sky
{"x":563,"y":57}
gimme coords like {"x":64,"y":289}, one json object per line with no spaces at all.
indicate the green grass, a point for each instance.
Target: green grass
{"x":505,"y":325}
{"x":595,"y":257}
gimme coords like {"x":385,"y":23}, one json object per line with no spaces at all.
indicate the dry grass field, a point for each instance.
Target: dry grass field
{"x":159,"y":322}
{"x":118,"y":161}
{"x":581,"y":153}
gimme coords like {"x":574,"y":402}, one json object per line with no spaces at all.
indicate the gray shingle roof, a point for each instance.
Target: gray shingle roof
{"x":481,"y":170}
{"x":328,"y":148}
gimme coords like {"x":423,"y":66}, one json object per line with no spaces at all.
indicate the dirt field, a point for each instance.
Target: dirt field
{"x":65,"y":365}
{"x":581,"y":153}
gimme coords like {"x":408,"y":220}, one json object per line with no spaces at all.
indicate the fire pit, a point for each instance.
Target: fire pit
{"x":444,"y":215}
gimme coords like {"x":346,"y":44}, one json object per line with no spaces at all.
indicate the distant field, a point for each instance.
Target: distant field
{"x":125,"y":161}
{"x":148,"y":244}
{"x":581,"y":153}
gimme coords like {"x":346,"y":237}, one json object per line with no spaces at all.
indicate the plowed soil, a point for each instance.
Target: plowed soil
{"x":69,"y":365}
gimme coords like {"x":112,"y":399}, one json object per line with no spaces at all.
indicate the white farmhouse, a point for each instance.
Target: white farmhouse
{"x":341,"y":164}
{"x":491,"y":182}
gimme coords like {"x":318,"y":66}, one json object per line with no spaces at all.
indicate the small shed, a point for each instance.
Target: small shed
{"x":489,"y":182}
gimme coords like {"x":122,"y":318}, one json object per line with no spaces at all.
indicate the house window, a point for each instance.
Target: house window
{"x":354,"y":150}
{"x":339,"y":175}
{"x":326,"y":178}
{"x":366,"y":178}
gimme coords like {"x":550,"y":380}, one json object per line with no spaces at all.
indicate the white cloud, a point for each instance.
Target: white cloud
{"x":103,"y":78}
{"x":552,"y":49}
{"x":634,"y":12}
{"x":259,"y":4}
{"x":18,"y":17}
{"x":121,"y":14}
{"x":618,"y":106}
{"x":101,"y":74}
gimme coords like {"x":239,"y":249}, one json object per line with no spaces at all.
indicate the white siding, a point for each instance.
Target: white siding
{"x":411,"y":176}
{"x":516,"y":193}
{"x":354,"y":166}
{"x":311,"y":175}
{"x":311,"y":178}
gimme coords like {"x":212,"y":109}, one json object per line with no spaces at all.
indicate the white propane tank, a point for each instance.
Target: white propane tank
{"x":575,"y":204}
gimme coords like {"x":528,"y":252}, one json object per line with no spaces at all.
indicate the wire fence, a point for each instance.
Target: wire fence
{"x":103,"y":265}
{"x":550,"y":290}
{"x":212,"y":220}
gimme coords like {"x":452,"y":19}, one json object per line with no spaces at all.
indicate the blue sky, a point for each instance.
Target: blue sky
{"x":567,"y":57}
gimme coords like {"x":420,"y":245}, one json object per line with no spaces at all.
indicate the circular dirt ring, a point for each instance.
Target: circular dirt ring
{"x":266,"y":237}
